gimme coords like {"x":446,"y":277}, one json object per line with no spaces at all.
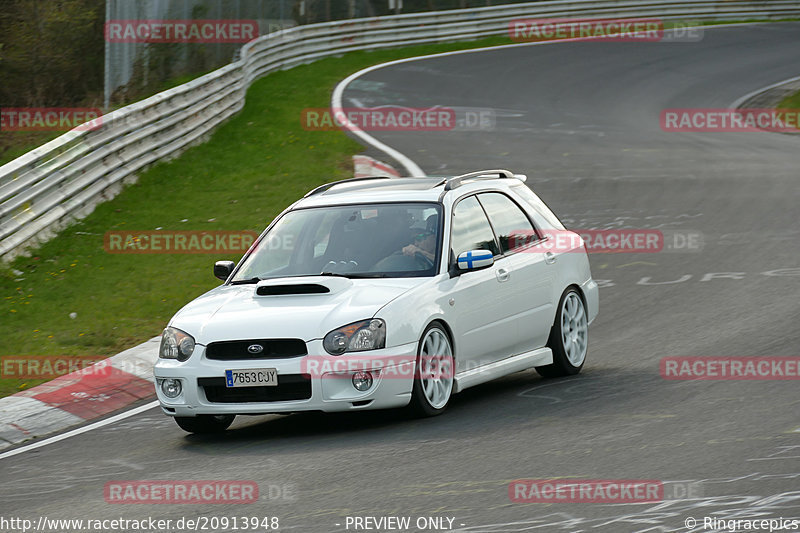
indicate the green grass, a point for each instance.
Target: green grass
{"x":252,"y":168}
{"x":790,"y":102}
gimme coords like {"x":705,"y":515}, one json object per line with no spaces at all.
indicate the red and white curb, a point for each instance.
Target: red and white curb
{"x":366,"y":166}
{"x":75,"y":398}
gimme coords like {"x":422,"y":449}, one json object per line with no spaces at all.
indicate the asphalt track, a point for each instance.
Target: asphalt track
{"x":581,"y":119}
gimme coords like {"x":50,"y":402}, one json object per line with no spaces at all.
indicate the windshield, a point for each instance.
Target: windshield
{"x":365,"y":240}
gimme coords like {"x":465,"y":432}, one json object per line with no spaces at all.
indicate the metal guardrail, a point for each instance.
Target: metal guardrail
{"x":63,"y":180}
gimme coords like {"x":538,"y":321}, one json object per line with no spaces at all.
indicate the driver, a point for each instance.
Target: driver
{"x":424,"y":243}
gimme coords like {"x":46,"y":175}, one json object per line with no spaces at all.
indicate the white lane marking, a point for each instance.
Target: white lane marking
{"x":336,"y":103}
{"x":413,"y":169}
{"x":84,"y":429}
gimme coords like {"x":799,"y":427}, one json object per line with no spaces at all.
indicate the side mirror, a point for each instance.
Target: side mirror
{"x":223,"y":269}
{"x":475,"y":260}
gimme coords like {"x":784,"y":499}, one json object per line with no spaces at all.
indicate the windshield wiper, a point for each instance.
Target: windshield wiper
{"x":332,"y":274}
{"x":361,"y":275}
{"x":245,"y":281}
{"x":337,"y":274}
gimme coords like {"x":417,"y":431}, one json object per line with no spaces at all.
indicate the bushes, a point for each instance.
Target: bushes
{"x":52,"y":53}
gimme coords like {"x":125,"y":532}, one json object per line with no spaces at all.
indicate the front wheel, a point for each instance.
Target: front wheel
{"x":569,"y":337}
{"x":434,"y":373}
{"x":205,"y":424}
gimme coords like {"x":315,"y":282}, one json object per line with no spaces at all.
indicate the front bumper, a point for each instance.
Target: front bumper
{"x":331,"y":387}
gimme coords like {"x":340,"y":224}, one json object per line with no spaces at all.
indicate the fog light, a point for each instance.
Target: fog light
{"x":171,"y":387}
{"x":362,"y":381}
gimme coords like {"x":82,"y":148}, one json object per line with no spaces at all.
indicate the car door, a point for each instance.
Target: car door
{"x":529,"y":270}
{"x":483,"y":326}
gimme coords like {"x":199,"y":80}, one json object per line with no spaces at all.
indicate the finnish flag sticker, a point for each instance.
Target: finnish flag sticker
{"x":474,"y":259}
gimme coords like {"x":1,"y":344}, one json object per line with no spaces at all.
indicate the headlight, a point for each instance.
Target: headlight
{"x":356,"y":337}
{"x":176,"y":344}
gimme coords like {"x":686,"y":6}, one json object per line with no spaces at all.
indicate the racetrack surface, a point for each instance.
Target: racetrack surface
{"x":582,"y":120}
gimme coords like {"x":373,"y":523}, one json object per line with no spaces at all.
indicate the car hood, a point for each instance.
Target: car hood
{"x":274,"y":309}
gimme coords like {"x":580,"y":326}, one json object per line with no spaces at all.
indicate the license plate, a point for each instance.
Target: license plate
{"x":254,"y":377}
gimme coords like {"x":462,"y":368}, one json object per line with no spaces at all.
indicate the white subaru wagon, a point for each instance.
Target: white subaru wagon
{"x":375,"y":293}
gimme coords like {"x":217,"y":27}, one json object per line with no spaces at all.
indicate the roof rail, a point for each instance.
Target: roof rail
{"x":455,"y":181}
{"x":323,"y":188}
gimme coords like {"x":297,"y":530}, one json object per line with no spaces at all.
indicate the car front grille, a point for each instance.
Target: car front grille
{"x":246,"y":350}
{"x":290,"y":387}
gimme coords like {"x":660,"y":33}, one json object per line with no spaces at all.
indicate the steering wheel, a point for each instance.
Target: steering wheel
{"x":424,"y":260}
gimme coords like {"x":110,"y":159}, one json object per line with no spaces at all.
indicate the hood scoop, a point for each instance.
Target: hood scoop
{"x":308,"y":285}
{"x":300,"y":288}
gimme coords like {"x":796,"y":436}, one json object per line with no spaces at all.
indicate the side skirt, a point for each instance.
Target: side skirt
{"x":515,"y":363}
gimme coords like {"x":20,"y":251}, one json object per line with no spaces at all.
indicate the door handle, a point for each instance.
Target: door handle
{"x":549,"y":258}
{"x":502,"y":274}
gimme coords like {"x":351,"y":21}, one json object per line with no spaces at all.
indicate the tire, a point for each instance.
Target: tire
{"x":205,"y":424}
{"x":434,"y":373}
{"x":569,"y":337}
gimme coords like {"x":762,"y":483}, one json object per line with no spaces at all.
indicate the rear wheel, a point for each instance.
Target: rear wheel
{"x":569,"y":337}
{"x":433,"y":378}
{"x":205,"y":423}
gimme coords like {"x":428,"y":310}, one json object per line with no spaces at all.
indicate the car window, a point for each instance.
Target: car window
{"x":513,"y":228}
{"x":277,"y":248}
{"x":471,"y":229}
{"x":542,"y":215}
{"x":360,"y":240}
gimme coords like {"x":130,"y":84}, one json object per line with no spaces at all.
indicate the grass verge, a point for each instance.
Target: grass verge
{"x":790,"y":102}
